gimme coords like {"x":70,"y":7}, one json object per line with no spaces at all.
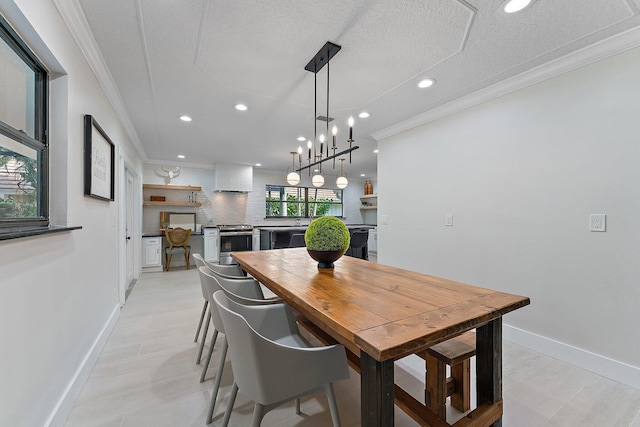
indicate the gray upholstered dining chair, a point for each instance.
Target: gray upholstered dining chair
{"x":200,"y":263}
{"x":230,"y":270}
{"x":358,"y":241}
{"x":297,"y":241}
{"x":271,"y":362}
{"x":267,"y":293}
{"x":247,"y":288}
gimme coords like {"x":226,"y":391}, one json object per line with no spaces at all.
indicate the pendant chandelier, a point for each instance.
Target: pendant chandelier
{"x":316,"y":148}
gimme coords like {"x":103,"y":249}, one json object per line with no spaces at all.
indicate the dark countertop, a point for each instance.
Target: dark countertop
{"x":304,"y":227}
{"x":161,"y":234}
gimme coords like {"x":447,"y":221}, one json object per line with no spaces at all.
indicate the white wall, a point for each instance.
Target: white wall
{"x":59,"y":293}
{"x":231,"y":208}
{"x":521,"y":174}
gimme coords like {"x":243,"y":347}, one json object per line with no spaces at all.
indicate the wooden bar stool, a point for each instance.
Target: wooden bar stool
{"x":456,"y":353}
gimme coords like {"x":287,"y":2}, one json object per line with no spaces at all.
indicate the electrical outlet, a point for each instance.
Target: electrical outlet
{"x":598,"y":222}
{"x":448,"y":220}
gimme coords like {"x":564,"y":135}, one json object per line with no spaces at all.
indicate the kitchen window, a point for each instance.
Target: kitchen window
{"x":302,"y":202}
{"x":23,"y":133}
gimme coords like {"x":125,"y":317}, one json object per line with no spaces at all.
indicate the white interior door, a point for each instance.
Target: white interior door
{"x":129,"y":211}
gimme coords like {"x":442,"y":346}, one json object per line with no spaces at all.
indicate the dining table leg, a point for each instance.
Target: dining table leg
{"x":377,"y":392}
{"x":489,"y":363}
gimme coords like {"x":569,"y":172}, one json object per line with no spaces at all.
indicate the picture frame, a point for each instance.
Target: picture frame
{"x":99,"y":161}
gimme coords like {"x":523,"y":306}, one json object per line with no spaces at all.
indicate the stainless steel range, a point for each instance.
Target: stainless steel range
{"x":234,"y":238}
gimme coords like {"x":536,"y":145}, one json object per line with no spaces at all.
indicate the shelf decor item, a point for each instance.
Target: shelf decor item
{"x":327,"y":239}
{"x":368,"y":187}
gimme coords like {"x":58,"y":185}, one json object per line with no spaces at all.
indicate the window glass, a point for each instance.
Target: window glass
{"x":19,"y":180}
{"x":23,"y":134}
{"x":325,"y":202}
{"x":302,"y":202}
{"x":17,"y":91}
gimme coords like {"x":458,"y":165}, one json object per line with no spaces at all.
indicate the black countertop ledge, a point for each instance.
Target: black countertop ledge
{"x":17,"y":233}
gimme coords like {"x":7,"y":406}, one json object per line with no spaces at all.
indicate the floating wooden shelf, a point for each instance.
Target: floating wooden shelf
{"x":148,"y":203}
{"x":369,"y":196}
{"x":368,"y":207}
{"x":172,"y":187}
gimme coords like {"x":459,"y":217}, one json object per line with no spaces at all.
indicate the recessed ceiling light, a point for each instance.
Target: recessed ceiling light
{"x":375,"y":151}
{"x":426,"y":83}
{"x":362,"y":174}
{"x":181,"y":156}
{"x":185,"y":118}
{"x":302,"y":138}
{"x":364,"y":115}
{"x":241,"y":107}
{"x":513,"y":6}
{"x":258,"y":164}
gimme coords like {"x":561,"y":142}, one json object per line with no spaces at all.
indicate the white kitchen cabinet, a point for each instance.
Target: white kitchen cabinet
{"x":372,"y":243}
{"x":211,"y":244}
{"x":256,"y":239}
{"x":152,"y":252}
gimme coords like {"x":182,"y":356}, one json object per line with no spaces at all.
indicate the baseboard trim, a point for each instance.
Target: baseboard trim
{"x":613,"y":369}
{"x":63,"y":407}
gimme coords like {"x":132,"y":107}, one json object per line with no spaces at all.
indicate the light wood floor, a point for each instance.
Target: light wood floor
{"x":147,"y":376}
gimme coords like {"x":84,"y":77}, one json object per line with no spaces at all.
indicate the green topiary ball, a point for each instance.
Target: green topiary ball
{"x":327,"y":233}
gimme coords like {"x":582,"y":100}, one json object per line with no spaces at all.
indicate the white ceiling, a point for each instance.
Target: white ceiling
{"x":201,"y":57}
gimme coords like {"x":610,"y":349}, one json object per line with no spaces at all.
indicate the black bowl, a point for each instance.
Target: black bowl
{"x":325,"y":258}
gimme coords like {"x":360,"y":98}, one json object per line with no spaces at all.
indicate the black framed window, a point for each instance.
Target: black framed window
{"x":23,"y":134}
{"x":302,"y":202}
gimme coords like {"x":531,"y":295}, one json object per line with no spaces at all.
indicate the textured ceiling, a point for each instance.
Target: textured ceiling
{"x":201,"y":57}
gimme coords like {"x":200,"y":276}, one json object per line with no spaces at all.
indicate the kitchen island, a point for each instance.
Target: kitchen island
{"x":277,"y":237}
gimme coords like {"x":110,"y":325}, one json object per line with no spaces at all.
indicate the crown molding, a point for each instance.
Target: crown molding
{"x":587,"y":55}
{"x":73,"y":16}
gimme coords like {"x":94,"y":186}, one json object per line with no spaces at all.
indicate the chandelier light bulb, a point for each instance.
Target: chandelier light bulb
{"x":317,"y":180}
{"x":341,"y":179}
{"x":293,"y":178}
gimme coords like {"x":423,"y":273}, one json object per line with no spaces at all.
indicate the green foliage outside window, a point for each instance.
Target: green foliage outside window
{"x":22,"y":173}
{"x":300,"y":202}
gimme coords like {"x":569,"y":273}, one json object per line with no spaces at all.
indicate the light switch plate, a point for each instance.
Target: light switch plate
{"x":448,"y":220}
{"x":384,"y":219}
{"x":598,"y":222}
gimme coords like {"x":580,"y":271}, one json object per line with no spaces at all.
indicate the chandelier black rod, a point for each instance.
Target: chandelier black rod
{"x":333,"y":156}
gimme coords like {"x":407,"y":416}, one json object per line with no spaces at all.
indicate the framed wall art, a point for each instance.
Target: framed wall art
{"x":99,"y":161}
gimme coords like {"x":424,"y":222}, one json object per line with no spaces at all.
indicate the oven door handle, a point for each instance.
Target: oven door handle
{"x":236,"y":233}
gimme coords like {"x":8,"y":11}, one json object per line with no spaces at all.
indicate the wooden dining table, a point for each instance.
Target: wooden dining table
{"x":381,"y":314}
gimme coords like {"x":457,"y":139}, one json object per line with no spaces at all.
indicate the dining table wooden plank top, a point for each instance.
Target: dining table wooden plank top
{"x":382,"y":313}
{"x":387,"y":311}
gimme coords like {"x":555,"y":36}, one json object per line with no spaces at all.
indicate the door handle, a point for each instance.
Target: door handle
{"x":128,"y":237}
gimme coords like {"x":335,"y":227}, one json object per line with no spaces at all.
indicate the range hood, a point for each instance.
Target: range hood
{"x":232,"y":178}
